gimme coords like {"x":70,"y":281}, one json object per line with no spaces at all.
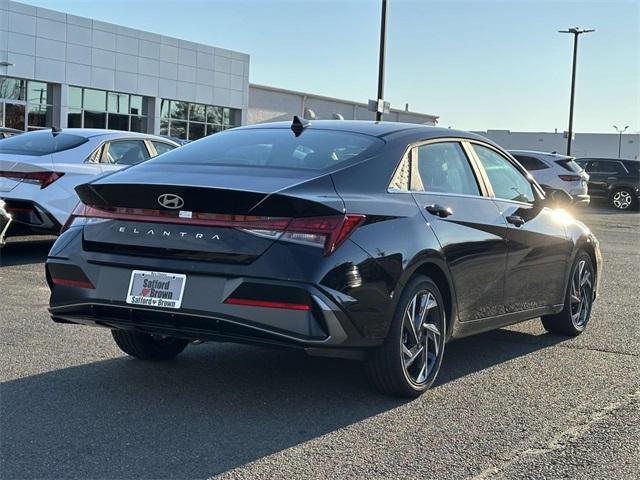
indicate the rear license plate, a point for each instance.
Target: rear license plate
{"x":156,"y":289}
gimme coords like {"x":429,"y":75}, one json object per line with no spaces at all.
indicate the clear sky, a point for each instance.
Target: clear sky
{"x":478,"y":64}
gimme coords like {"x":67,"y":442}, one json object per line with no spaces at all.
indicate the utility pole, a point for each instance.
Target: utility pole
{"x":576,"y":31}
{"x":620,"y":132}
{"x":383,"y":38}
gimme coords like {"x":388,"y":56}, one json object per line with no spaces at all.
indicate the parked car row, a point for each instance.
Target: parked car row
{"x":612,"y":179}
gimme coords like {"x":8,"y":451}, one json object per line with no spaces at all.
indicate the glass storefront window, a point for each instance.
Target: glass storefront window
{"x":37,"y":92}
{"x":40,"y":116}
{"x":12,"y":88}
{"x":95,"y":119}
{"x":91,"y":108}
{"x":194,"y":120}
{"x":74,"y":119}
{"x":196,"y":112}
{"x":138,"y":123}
{"x":196,"y":130}
{"x":25,"y":104}
{"x":75,"y":97}
{"x":179,"y":110}
{"x":138,"y":106}
{"x":94,"y":100}
{"x":118,"y":102}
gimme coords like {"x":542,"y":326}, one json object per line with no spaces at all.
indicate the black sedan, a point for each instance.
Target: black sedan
{"x":376,"y":241}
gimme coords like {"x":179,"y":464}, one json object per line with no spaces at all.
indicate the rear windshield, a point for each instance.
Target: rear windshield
{"x":275,"y":148}
{"x":569,"y":164}
{"x":40,"y":143}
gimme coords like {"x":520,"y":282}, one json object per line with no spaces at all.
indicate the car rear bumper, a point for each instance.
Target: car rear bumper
{"x":91,"y":288}
{"x":30,"y":218}
{"x":581,"y":200}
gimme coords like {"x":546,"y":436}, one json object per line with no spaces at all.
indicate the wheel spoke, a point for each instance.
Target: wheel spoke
{"x":408,"y":321}
{"x":413,"y":356}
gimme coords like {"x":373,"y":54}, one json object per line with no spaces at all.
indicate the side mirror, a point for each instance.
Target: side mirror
{"x":556,"y":197}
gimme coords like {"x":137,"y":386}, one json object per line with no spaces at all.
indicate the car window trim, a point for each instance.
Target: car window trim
{"x":409,"y":155}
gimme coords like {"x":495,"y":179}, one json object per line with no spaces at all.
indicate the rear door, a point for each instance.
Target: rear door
{"x":539,"y":248}
{"x":468,"y":225}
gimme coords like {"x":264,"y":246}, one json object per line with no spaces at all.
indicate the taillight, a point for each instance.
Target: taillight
{"x":78,"y":212}
{"x":327,"y":232}
{"x":569,"y":178}
{"x":42,"y":178}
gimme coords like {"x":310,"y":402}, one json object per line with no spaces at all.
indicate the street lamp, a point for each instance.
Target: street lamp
{"x":576,"y":31}
{"x":620,"y":132}
{"x":383,"y":37}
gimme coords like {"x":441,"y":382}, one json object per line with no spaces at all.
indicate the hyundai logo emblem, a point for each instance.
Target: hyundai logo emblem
{"x":169,"y":200}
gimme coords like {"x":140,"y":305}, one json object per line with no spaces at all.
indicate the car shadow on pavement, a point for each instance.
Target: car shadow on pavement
{"x":215,"y":408}
{"x":25,"y":252}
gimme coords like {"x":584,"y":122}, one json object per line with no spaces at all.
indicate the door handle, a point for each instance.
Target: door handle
{"x":516,"y":220}
{"x":439,"y":210}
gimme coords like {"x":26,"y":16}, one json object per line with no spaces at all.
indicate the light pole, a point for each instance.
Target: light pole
{"x":383,"y":38}
{"x":576,"y":31}
{"x":620,"y":132}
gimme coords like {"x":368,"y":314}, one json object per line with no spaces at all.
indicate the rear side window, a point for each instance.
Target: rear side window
{"x":570,"y":165}
{"x":605,"y":166}
{"x":40,"y":143}
{"x":507,"y":181}
{"x":276,"y":148}
{"x":126,"y":152}
{"x":162,"y":147}
{"x":531,"y":163}
{"x":443,"y":167}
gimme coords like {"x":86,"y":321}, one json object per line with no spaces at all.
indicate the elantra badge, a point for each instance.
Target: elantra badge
{"x":169,"y":200}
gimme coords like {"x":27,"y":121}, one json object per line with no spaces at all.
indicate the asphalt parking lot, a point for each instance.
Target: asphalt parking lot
{"x":514,"y":403}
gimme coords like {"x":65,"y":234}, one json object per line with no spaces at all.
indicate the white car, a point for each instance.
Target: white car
{"x":559,"y":172}
{"x":39,"y":170}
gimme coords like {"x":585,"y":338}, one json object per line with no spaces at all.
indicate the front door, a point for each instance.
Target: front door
{"x":468,"y":226}
{"x":539,"y":248}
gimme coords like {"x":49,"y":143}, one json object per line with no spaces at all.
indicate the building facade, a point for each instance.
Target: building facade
{"x":61,"y":70}
{"x":604,"y":145}
{"x":270,"y":104}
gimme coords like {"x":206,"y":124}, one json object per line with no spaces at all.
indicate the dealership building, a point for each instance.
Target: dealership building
{"x":62,"y":70}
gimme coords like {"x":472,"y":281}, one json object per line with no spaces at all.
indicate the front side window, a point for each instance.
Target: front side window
{"x":275,"y":148}
{"x":507,"y":181}
{"x":162,"y":147}
{"x":444,"y":167}
{"x":126,"y":152}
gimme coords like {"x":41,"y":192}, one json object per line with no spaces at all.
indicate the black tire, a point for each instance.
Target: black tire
{"x":568,"y":321}
{"x":623,"y":199}
{"x":386,"y":365}
{"x":148,"y":347}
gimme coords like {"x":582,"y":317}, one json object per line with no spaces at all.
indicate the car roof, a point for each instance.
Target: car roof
{"x":538,"y":153}
{"x":609,"y":159}
{"x":376,"y":129}
{"x":97,"y":132}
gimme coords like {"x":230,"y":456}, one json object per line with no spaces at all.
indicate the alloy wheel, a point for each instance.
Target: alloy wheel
{"x":581,"y":294}
{"x":420,"y":341}
{"x":622,"y":199}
